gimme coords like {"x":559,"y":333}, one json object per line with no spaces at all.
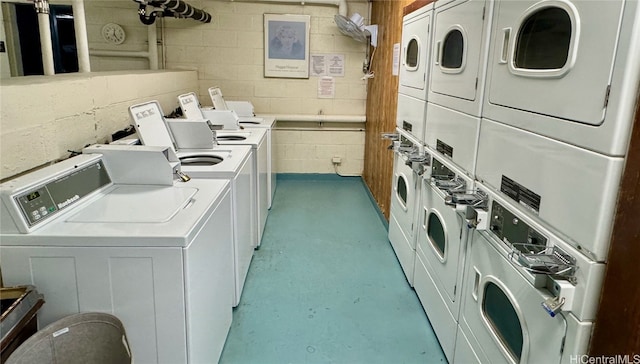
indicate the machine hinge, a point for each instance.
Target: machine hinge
{"x":454,"y":289}
{"x":484,"y":8}
{"x":606,"y":96}
{"x":424,"y":77}
{"x":476,"y":83}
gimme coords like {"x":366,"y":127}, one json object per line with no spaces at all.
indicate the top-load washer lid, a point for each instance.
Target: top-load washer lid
{"x":190,"y":105}
{"x":131,"y":204}
{"x":149,"y":123}
{"x":152,"y":130}
{"x":216,"y":98}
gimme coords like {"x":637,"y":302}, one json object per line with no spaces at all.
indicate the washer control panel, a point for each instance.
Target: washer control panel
{"x":43,"y":201}
{"x":510,"y":229}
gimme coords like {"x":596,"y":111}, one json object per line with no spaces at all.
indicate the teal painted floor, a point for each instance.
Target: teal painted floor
{"x":325,"y":285}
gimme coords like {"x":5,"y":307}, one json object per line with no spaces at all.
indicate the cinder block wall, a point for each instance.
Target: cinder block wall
{"x":229,"y":52}
{"x":42,"y":117}
{"x":300,"y":151}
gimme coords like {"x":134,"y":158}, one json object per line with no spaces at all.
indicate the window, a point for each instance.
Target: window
{"x":412,"y":54}
{"x":452,"y":50}
{"x":502,"y":317}
{"x":544,"y":40}
{"x":26,"y":45}
{"x":436,"y":234}
{"x":401,"y":190}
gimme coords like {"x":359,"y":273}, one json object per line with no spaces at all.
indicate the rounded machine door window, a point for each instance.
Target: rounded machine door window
{"x":412,"y":54}
{"x":503,"y":319}
{"x":544,"y":40}
{"x":452,"y":50}
{"x":436,"y":234}
{"x":401,"y":190}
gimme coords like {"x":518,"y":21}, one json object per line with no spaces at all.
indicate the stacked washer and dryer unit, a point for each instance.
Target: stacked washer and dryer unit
{"x":529,"y":110}
{"x":410,"y":160}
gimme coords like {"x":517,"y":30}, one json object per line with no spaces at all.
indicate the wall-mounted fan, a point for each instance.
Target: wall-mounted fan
{"x":354,"y":27}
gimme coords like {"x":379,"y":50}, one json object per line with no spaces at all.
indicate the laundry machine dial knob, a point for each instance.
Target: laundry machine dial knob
{"x":515,"y":221}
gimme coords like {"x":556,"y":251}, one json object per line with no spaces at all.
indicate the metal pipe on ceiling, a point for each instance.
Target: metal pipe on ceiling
{"x":176,"y":8}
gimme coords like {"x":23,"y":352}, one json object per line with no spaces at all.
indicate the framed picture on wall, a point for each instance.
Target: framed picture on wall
{"x":286,"y":45}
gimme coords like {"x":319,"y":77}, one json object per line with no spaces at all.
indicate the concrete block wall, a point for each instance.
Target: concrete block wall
{"x":311,"y":151}
{"x":229,"y":53}
{"x":122,"y":12}
{"x":42,"y":117}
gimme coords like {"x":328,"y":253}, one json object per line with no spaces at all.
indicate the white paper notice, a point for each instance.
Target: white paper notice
{"x":326,"y":87}
{"x":396,"y":59}
{"x":318,"y":65}
{"x":335,"y":65}
{"x":327,"y":65}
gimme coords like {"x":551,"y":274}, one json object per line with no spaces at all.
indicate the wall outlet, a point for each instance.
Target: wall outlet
{"x":336,"y":160}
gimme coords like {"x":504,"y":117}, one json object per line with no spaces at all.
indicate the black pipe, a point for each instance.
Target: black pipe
{"x":144,"y":18}
{"x":182,"y":9}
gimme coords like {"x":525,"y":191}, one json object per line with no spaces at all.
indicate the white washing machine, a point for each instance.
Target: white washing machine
{"x":566,"y":69}
{"x":191,"y":109}
{"x":528,"y":297}
{"x":454,"y":135}
{"x":94,"y":235}
{"x":257,"y":140}
{"x":571,"y":190}
{"x":460,"y":48}
{"x":234,"y":163}
{"x":405,"y":195}
{"x":441,"y":246}
{"x":236,"y":166}
{"x":415,"y":52}
{"x":267,"y":123}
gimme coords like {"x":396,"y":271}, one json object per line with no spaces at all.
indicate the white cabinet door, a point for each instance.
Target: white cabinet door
{"x":553,"y":57}
{"x":143,"y":287}
{"x":459,"y":54}
{"x":415,"y":49}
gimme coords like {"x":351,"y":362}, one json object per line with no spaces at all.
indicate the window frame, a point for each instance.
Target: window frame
{"x":406,"y":64}
{"x":440,"y":50}
{"x":572,"y":52}
{"x":490,"y":328}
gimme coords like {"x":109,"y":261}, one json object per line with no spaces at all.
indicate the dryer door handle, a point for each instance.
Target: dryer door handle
{"x":476,"y":283}
{"x":437,"y":57}
{"x":504,"y":52}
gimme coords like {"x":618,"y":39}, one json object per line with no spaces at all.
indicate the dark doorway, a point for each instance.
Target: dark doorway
{"x":63,"y":38}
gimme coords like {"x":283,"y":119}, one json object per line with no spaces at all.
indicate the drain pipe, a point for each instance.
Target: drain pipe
{"x":82,"y":44}
{"x":152,"y":35}
{"x":46,"y":46}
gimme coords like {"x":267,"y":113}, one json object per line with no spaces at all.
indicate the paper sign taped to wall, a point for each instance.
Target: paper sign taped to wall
{"x":326,"y":87}
{"x":327,"y":65}
{"x":396,"y":59}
